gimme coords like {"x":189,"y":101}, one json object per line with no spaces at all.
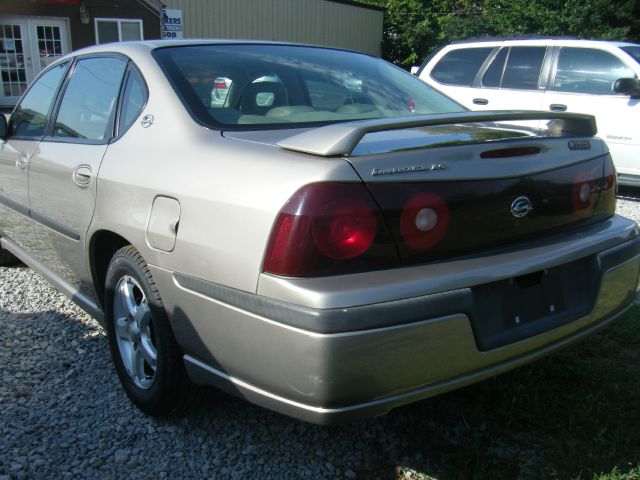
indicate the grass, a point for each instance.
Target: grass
{"x":575,"y":414}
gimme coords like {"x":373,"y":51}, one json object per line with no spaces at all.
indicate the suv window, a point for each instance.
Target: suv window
{"x":29,"y":118}
{"x":133,"y":100}
{"x":460,"y":66}
{"x":88,"y":104}
{"x":634,"y":52}
{"x":493,"y":75}
{"x":523,"y":68}
{"x":587,"y":70}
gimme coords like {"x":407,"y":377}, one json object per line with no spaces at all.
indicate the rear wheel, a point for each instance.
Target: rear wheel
{"x":7,"y":258}
{"x":146,"y":356}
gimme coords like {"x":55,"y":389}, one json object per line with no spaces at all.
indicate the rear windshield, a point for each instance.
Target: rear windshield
{"x":634,"y":52}
{"x":257,"y":86}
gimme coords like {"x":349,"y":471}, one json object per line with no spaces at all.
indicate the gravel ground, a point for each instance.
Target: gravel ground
{"x":64,"y":415}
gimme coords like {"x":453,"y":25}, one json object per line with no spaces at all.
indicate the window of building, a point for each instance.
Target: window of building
{"x":118,"y":30}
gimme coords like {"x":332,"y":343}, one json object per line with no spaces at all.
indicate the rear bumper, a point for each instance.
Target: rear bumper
{"x":364,"y":360}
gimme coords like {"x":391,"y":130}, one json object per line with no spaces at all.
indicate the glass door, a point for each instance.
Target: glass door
{"x":51,"y":41}
{"x":13,"y":69}
{"x":27,"y":46}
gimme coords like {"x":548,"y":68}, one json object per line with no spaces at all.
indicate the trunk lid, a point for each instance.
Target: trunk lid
{"x":459,"y":184}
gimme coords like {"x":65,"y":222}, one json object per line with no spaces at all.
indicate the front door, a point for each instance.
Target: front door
{"x":26,"y":128}
{"x":27,"y":46}
{"x":583,"y":83}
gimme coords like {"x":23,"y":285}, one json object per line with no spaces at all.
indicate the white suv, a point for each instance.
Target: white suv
{"x":550,"y":74}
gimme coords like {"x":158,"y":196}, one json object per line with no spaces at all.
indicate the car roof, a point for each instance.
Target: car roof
{"x":541,"y":40}
{"x":145,"y":46}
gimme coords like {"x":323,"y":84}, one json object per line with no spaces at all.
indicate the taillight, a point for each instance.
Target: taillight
{"x":219,"y":85}
{"x":327,"y":228}
{"x":424,"y":220}
{"x":608,"y":187}
{"x":610,"y":175}
{"x":347,"y":232}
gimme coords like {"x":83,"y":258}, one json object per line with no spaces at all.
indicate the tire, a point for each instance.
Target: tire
{"x":7,"y":258}
{"x":143,"y":349}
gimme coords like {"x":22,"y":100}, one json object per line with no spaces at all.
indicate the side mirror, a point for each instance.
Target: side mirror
{"x":415,"y":69}
{"x":627,"y":86}
{"x":3,"y":127}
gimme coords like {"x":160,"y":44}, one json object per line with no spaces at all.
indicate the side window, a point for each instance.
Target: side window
{"x":88,"y":104}
{"x":133,"y":100}
{"x":460,"y":66}
{"x":493,"y":74}
{"x":523,"y":68}
{"x":586,"y":70}
{"x":29,"y":118}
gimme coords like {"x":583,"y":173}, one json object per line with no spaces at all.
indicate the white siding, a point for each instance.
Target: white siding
{"x":319,"y":22}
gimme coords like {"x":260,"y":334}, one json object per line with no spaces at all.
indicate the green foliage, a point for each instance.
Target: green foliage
{"x":415,"y":27}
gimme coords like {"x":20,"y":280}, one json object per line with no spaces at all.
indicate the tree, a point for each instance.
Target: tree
{"x":413,"y":28}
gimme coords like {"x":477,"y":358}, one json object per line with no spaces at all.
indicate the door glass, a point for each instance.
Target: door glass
{"x":89,"y":101}
{"x":494,"y":73}
{"x":459,"y":67}
{"x":49,"y":44}
{"x":587,"y":70}
{"x":523,"y":68}
{"x":29,"y":118}
{"x":133,"y":100}
{"x":12,"y":65}
{"x":634,"y":52}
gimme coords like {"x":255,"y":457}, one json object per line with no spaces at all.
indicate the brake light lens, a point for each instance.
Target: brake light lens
{"x":347,"y":233}
{"x":327,"y":228}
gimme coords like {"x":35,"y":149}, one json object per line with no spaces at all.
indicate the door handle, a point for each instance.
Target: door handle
{"x":557,"y":107}
{"x":480,"y":101}
{"x":22,"y":162}
{"x":82,"y":175}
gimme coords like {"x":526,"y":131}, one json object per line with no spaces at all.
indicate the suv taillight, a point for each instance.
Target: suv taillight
{"x":327,"y":228}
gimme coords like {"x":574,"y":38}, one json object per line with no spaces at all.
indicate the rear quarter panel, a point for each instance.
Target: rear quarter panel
{"x":229,"y":190}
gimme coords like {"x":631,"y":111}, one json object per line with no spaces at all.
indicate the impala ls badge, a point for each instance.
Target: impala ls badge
{"x":411,"y":169}
{"x":521,"y":206}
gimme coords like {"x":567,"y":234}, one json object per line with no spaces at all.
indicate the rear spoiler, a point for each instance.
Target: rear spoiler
{"x":341,"y":138}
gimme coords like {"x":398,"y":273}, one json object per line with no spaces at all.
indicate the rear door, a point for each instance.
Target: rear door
{"x":62,"y":175}
{"x":513,"y":80}
{"x":455,"y":72}
{"x":493,"y":77}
